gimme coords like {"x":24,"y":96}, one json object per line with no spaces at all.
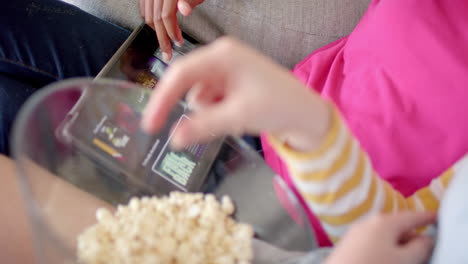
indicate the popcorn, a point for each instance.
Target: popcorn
{"x":227,"y":205}
{"x":102,"y":214}
{"x":181,"y":228}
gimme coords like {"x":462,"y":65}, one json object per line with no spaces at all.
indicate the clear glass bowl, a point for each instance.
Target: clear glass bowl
{"x":71,"y":162}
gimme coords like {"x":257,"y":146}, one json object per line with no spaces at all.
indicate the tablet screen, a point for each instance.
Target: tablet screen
{"x":106,"y":126}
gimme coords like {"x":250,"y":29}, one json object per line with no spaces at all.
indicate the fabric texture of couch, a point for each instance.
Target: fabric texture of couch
{"x":287,"y":30}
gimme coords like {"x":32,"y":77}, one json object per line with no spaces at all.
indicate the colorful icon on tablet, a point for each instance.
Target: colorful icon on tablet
{"x":108,"y":149}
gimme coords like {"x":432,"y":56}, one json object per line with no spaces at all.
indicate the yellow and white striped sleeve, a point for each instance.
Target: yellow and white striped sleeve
{"x":340,"y":186}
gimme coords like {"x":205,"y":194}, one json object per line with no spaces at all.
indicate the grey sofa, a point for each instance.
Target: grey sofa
{"x":287,"y":30}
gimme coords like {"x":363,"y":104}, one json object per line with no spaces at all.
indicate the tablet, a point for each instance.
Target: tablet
{"x":105,"y":126}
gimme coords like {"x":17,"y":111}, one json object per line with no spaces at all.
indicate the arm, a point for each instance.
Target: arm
{"x":233,"y":97}
{"x":340,"y":186}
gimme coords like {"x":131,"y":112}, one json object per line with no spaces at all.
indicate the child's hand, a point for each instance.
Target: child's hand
{"x":386,"y":239}
{"x":237,"y":91}
{"x":161,"y":15}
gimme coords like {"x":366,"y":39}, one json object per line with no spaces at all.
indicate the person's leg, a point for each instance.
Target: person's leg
{"x":13,"y":93}
{"x":54,"y":40}
{"x":44,"y":41}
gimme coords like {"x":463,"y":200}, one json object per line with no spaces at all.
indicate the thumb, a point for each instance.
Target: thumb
{"x":418,"y":250}
{"x":203,"y":126}
{"x":186,"y":6}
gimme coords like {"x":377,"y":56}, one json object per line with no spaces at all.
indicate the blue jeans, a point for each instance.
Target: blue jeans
{"x":43,"y":41}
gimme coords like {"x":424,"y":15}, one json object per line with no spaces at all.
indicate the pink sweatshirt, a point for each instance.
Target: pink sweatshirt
{"x":401,"y":82}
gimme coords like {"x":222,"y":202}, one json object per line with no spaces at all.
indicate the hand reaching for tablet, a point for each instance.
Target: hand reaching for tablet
{"x":161,"y":15}
{"x":236,"y":91}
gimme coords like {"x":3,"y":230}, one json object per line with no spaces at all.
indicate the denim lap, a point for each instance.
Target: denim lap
{"x":44,"y":41}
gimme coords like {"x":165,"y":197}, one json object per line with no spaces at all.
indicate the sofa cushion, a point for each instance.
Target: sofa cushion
{"x":287,"y":30}
{"x":124,"y":13}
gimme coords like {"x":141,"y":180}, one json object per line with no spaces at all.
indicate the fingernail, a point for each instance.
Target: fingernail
{"x":177,"y":143}
{"x":179,"y":43}
{"x":191,"y":105}
{"x":165,"y":56}
{"x":184,"y":8}
{"x":181,"y":38}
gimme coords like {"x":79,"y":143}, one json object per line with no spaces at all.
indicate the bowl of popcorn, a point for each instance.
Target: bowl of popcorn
{"x":179,"y":228}
{"x":99,"y":190}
